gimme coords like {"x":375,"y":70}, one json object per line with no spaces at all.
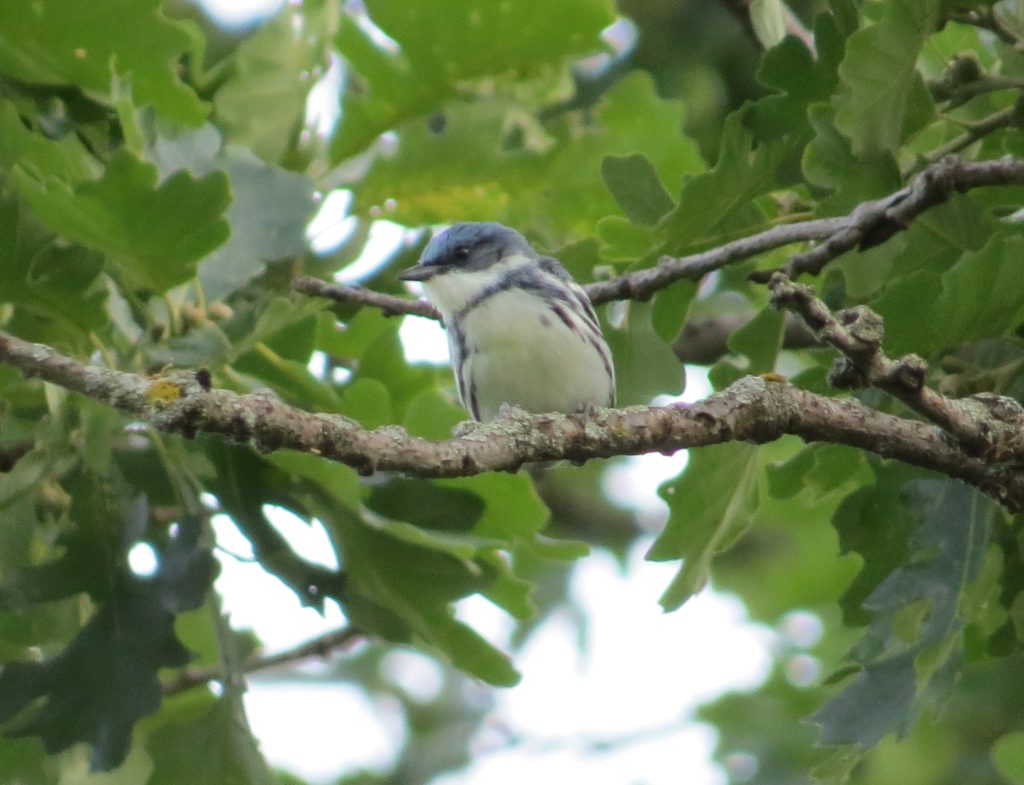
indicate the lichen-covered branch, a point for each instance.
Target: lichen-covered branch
{"x":752,"y":410}
{"x":982,"y":424}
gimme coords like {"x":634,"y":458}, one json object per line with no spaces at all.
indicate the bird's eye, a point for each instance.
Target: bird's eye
{"x":461,"y":253}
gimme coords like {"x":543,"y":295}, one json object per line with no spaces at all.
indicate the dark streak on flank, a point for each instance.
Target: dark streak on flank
{"x":474,"y":407}
{"x":544,"y":320}
{"x":564,"y":315}
{"x":459,"y":360}
{"x":602,"y":351}
{"x":459,"y":337}
{"x":586,"y":307}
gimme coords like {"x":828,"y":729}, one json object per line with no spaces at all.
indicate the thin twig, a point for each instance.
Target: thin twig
{"x":1004,"y":118}
{"x":389,"y":304}
{"x":958,"y":91}
{"x":322,"y":647}
{"x":870,"y":223}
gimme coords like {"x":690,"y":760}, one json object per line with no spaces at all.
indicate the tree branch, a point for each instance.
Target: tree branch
{"x":965,"y":82}
{"x":1005,"y":118}
{"x":986,"y":21}
{"x":321,"y":647}
{"x":752,"y":410}
{"x":389,"y":304}
{"x":870,"y":223}
{"x":980,"y":423}
{"x":705,"y":339}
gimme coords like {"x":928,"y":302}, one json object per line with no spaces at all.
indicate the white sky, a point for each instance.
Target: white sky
{"x":642,"y":675}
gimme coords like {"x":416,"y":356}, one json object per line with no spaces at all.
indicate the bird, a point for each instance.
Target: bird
{"x":521,"y":332}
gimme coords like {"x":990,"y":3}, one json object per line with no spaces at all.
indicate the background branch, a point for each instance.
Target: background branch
{"x":1005,"y":118}
{"x":870,"y":223}
{"x":752,"y":410}
{"x":705,"y":339}
{"x":322,"y":647}
{"x":389,"y":304}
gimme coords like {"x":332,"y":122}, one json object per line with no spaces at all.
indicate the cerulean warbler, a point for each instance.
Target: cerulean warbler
{"x":520,"y":330}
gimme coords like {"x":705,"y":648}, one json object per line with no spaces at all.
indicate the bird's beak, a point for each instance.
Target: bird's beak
{"x":419,"y":272}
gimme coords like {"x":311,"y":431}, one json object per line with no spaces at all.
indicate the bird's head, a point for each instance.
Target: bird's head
{"x":469,"y":247}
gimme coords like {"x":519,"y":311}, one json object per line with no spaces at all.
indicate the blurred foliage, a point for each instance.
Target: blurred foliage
{"x":157,"y":177}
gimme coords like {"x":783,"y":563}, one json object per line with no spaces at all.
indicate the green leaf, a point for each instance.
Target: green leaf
{"x":1008,"y":756}
{"x":274,"y":69}
{"x":368,"y":402}
{"x":200,"y":740}
{"x":512,"y":509}
{"x":427,"y":505}
{"x":73,"y":43}
{"x":463,"y":168}
{"x":645,"y":365}
{"x":721,"y":199}
{"x":55,"y":280}
{"x":25,"y":761}
{"x":913,"y":645}
{"x":497,"y":510}
{"x":978,"y":297}
{"x":269,"y":210}
{"x":879,"y":540}
{"x":760,"y":340}
{"x":445,"y":44}
{"x":417,"y":581}
{"x":790,"y":67}
{"x":384,"y":361}
{"x":982,"y":294}
{"x":400,"y":580}
{"x":904,"y":305}
{"x":671,"y":306}
{"x":878,"y":72}
{"x":106,"y":679}
{"x":829,"y":162}
{"x":879,"y":701}
{"x":66,"y":159}
{"x":622,"y":240}
{"x":432,"y":416}
{"x":786,"y":479}
{"x":801,"y":77}
{"x":723,"y":373}
{"x":155,"y":232}
{"x":245,"y":483}
{"x":634,"y":183}
{"x":710,"y":505}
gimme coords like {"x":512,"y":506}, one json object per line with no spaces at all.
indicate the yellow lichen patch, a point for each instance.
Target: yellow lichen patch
{"x":162,"y":392}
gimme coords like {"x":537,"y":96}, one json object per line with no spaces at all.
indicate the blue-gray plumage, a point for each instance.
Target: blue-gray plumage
{"x":520,"y":330}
